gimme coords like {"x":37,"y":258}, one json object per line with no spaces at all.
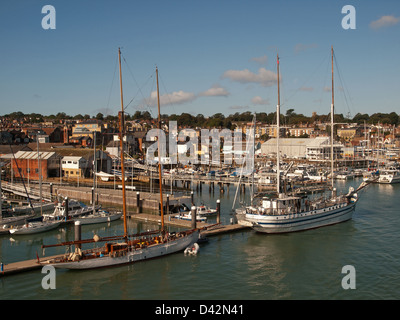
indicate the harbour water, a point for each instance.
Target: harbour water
{"x":244,"y":265}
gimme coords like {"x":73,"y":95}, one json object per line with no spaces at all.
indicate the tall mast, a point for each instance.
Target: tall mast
{"x":40,"y":176}
{"x":159,"y":156}
{"x":278,"y":177}
{"x":94,"y":172}
{"x":332,"y":112}
{"x":252,"y":149}
{"x":121,"y":143}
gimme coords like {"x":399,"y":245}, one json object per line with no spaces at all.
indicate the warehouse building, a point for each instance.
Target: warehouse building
{"x":303,"y":148}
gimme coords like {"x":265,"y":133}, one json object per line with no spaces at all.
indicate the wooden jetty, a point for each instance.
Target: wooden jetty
{"x":214,"y":230}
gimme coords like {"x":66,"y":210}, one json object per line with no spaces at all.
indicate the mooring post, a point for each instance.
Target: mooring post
{"x":193,"y":213}
{"x":218,"y":211}
{"x":167,"y":205}
{"x":66,"y":208}
{"x":77,"y":233}
{"x":138,"y":202}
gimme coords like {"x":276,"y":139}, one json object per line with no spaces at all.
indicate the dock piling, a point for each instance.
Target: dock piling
{"x":66,"y":208}
{"x":77,"y":233}
{"x":138,"y":202}
{"x":193,"y":213}
{"x":218,"y":211}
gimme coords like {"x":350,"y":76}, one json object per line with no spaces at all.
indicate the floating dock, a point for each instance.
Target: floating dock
{"x":214,"y":230}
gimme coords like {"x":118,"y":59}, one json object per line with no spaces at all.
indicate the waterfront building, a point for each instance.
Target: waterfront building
{"x":307,"y":148}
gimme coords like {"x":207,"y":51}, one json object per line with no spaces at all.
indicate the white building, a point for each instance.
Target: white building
{"x":307,"y":148}
{"x":74,"y":166}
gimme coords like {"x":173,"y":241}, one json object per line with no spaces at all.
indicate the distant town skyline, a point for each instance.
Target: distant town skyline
{"x":213,"y":57}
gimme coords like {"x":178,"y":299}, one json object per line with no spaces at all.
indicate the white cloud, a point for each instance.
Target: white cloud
{"x":327,"y":89}
{"x":264,"y":77}
{"x":303,"y":47}
{"x":260,"y":60}
{"x":384,"y":21}
{"x":238,"y":107}
{"x":176,"y":97}
{"x":215,"y":91}
{"x":259,"y":100}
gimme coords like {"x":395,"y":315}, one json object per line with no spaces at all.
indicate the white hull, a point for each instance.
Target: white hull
{"x":35,"y":227}
{"x":299,"y":221}
{"x":204,"y":211}
{"x":98,"y":218}
{"x":188,"y":217}
{"x":59,"y":212}
{"x":389,"y":178}
{"x":150,"y":252}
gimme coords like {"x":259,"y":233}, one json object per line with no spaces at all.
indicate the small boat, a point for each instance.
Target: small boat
{"x":192,"y":249}
{"x":188,"y":217}
{"x":75,"y":209}
{"x":204,"y":211}
{"x":99,"y":217}
{"x":104,"y":176}
{"x":371,"y":176}
{"x":37,"y":207}
{"x":202,"y":239}
{"x":344,"y":175}
{"x":390,"y":176}
{"x":35,"y":227}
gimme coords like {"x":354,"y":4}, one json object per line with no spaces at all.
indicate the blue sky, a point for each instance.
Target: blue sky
{"x":213,"y":56}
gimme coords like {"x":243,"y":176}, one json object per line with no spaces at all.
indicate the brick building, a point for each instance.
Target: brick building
{"x":26,"y":164}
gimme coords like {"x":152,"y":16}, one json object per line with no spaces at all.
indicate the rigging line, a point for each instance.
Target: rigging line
{"x":342,"y":83}
{"x":168,"y":96}
{"x":134,"y":79}
{"x":139,"y":90}
{"x":147,"y":101}
{"x":112,"y":84}
{"x":307,"y":80}
{"x":324,"y":87}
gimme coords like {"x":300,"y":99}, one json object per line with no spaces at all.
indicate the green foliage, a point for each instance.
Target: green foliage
{"x":219,"y":120}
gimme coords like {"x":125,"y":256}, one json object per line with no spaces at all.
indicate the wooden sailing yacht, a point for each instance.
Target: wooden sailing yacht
{"x":126,"y":248}
{"x":288,"y":213}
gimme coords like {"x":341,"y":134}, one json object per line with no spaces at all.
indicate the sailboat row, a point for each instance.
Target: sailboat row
{"x":288,"y":213}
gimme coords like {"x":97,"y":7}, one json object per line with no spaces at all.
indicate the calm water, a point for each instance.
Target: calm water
{"x":243,"y":265}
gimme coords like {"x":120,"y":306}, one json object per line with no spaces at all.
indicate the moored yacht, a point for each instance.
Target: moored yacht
{"x":288,"y":213}
{"x":390,"y":176}
{"x":75,"y":209}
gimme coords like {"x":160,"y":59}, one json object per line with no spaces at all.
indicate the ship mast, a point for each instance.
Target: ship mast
{"x":121,"y":143}
{"x":277,"y":134}
{"x":159,"y":156}
{"x":332,"y":111}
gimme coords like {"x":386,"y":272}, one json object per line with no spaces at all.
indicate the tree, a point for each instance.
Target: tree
{"x":99,"y":116}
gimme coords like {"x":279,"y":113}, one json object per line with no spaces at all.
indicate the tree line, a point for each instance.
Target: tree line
{"x":219,"y":120}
